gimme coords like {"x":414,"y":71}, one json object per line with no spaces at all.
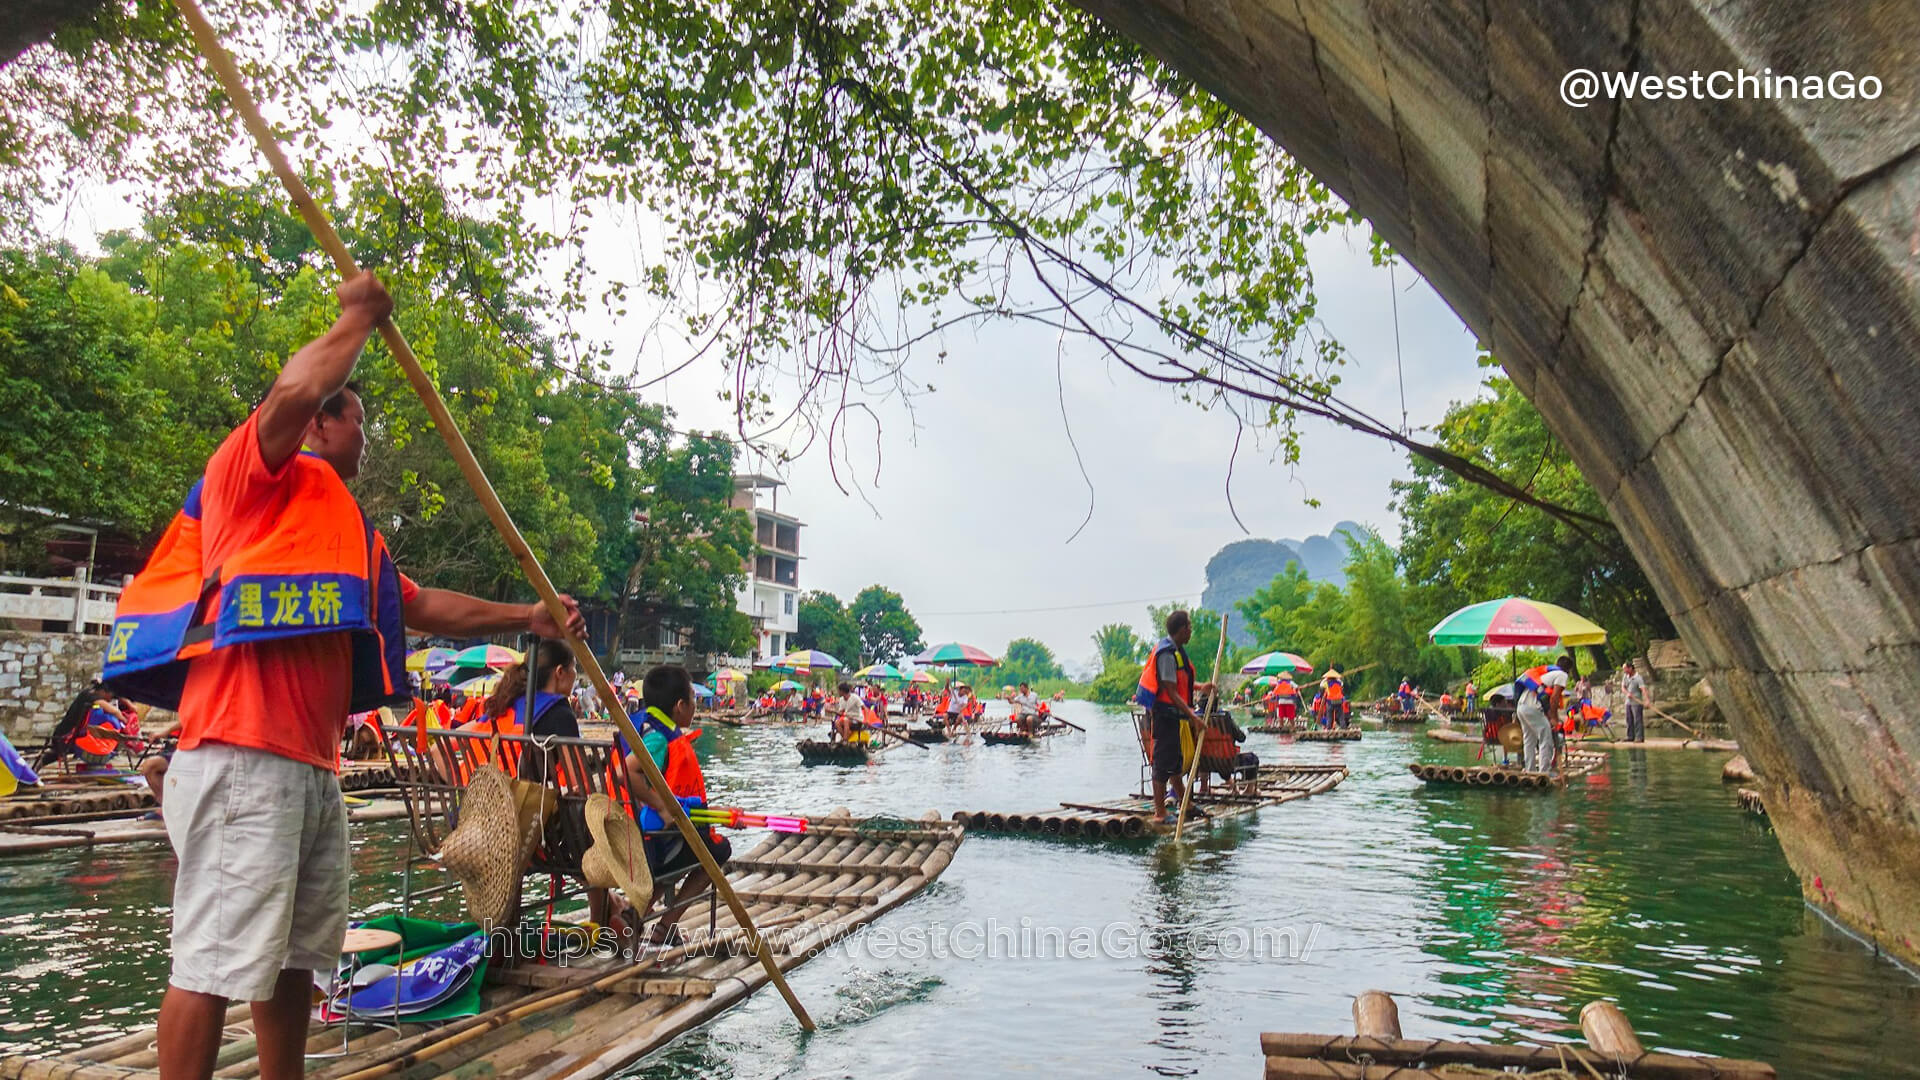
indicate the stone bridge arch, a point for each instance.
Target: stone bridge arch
{"x":1713,"y":303}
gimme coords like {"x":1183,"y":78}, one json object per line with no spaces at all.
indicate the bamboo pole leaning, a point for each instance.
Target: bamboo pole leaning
{"x":1200,"y":737}
{"x":316,"y":219}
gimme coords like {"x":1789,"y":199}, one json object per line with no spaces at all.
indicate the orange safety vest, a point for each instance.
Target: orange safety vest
{"x":1151,"y":691}
{"x":1333,"y":688}
{"x":318,"y":568}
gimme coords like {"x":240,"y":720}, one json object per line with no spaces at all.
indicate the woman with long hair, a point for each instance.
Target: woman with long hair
{"x":506,"y":709}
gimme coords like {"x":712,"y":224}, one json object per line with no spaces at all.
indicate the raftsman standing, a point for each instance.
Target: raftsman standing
{"x":269,"y":611}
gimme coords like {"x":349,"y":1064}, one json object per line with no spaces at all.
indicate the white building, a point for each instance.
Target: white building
{"x":771,"y":594}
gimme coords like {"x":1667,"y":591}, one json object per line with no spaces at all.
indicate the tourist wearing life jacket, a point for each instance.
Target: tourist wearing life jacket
{"x":269,"y":611}
{"x":1406,"y":694}
{"x":553,"y":678}
{"x":667,"y":735}
{"x":1285,"y":699}
{"x":1334,"y":686}
{"x":1533,"y":696}
{"x":1470,"y":697}
{"x":1167,"y":686}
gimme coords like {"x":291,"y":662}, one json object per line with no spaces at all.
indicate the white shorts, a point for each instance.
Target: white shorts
{"x":262,"y":885}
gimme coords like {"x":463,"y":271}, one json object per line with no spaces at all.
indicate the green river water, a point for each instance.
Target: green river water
{"x":1488,"y":914}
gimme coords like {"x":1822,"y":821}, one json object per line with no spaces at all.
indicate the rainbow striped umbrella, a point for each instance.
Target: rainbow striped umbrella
{"x":953,"y":653}
{"x":1276,"y":663}
{"x":1515,"y":621}
{"x":879,"y":671}
{"x":485,"y":656}
{"x":432,"y":659}
{"x":801,"y":661}
{"x":928,"y":675}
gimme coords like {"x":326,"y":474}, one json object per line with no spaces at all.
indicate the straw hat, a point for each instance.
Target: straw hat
{"x":485,"y":850}
{"x":616,"y":860}
{"x":1511,"y":737}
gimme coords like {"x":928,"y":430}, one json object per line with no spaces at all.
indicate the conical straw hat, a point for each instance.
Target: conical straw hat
{"x":485,"y":849}
{"x":617,"y":859}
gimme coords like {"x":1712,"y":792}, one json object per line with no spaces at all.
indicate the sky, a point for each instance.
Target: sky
{"x":985,"y":571}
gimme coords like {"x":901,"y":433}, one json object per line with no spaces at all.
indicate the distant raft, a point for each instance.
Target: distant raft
{"x":1579,"y":763}
{"x":822,"y":752}
{"x":1339,"y":734}
{"x":1131,"y":817}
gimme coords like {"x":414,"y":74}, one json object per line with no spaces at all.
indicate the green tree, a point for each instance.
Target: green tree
{"x":1027,"y":660}
{"x":1268,"y":613}
{"x":827,"y":626}
{"x":1461,"y":543}
{"x":1206,"y":637}
{"x":888,"y":632}
{"x":1118,"y":641}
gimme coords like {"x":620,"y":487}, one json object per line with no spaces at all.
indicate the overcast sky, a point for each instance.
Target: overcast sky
{"x":986,"y":573}
{"x":977,"y":572}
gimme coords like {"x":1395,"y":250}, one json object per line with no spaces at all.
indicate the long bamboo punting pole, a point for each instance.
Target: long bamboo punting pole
{"x":1200,"y":739}
{"x":223,"y":68}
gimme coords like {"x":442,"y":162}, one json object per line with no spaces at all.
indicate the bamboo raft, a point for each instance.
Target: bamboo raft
{"x":1709,"y":745}
{"x":108,"y":795}
{"x":1579,"y":763}
{"x":1347,"y":734}
{"x":1377,"y":1051}
{"x":823,"y":752}
{"x":590,"y":1019}
{"x":1132,"y":816}
{"x":1006,"y":738}
{"x":32,"y":835}
{"x":1284,"y":728}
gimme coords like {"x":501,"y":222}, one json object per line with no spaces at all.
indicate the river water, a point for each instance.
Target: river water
{"x":1488,"y":914}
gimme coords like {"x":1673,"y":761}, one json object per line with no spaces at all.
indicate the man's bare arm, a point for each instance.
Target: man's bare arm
{"x":455,"y":614}
{"x":319,"y":369}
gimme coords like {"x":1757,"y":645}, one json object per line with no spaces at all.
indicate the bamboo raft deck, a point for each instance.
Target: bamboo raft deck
{"x":1507,"y":777}
{"x":591,"y":1019}
{"x":1347,"y":734}
{"x":1708,"y":745}
{"x":1287,"y":728}
{"x":1377,"y":1051}
{"x":65,"y":800}
{"x":1132,"y":816}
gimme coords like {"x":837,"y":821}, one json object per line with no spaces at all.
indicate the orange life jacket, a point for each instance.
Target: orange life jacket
{"x":1151,"y":690}
{"x":1333,"y":688}
{"x":320,"y":567}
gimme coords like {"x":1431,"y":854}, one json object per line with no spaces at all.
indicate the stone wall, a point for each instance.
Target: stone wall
{"x":39,"y":676}
{"x":1714,"y":304}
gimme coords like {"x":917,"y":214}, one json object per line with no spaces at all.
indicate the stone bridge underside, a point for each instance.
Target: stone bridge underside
{"x":1716,"y":306}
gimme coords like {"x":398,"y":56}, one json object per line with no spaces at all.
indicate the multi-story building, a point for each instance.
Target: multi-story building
{"x":771,"y":594}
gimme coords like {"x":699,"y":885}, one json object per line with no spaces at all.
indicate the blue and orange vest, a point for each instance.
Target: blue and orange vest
{"x":322,"y":569}
{"x":1151,"y":691}
{"x":683,"y":774}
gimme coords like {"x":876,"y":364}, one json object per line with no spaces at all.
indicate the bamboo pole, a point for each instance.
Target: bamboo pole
{"x":1200,"y":737}
{"x":223,"y":67}
{"x":1376,"y":1016}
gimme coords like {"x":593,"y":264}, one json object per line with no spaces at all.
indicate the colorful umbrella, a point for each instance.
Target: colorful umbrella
{"x":1515,"y":622}
{"x":1264,"y":680}
{"x":433,"y":659}
{"x":485,"y":656}
{"x":1277,"y":663}
{"x":479,"y":684}
{"x":788,"y":684}
{"x":701,"y":691}
{"x":879,"y":671}
{"x":928,"y":675}
{"x":955,"y":653}
{"x":727,"y":675}
{"x":805,"y":660}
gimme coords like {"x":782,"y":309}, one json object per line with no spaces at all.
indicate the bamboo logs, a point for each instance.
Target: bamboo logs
{"x":1378,"y":1051}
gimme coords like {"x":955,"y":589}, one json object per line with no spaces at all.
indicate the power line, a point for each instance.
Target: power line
{"x":1062,"y":607}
